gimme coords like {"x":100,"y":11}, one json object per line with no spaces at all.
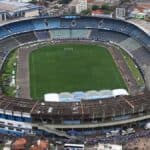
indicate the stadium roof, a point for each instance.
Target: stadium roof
{"x":11,"y":6}
{"x":80,"y":95}
{"x":51,"y":97}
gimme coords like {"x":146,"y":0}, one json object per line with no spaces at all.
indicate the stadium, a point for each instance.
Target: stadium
{"x":86,"y":112}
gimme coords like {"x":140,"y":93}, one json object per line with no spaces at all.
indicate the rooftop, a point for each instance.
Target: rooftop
{"x":11,"y":6}
{"x":98,"y":12}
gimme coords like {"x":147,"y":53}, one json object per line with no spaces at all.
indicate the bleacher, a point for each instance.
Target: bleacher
{"x":67,"y":23}
{"x":60,"y":34}
{"x":42,"y":35}
{"x":39,"y":24}
{"x":4,"y":32}
{"x":138,"y":34}
{"x":6,"y":46}
{"x":112,"y":107}
{"x":97,"y":109}
{"x":104,"y":35}
{"x":19,"y":27}
{"x":130,"y":44}
{"x":26,"y":37}
{"x":95,"y":23}
{"x":80,"y":34}
{"x":52,"y":23}
{"x":142,"y":56}
{"x":79,"y":23}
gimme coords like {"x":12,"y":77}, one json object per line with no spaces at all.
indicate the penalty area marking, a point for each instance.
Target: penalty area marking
{"x":68,"y":49}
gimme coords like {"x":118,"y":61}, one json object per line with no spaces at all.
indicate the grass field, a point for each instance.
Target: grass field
{"x":72,"y":67}
{"x":8,"y":67}
{"x":133,"y":68}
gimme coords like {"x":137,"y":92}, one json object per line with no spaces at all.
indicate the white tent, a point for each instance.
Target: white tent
{"x":118,"y":92}
{"x":105,"y":93}
{"x":65,"y":97}
{"x":51,"y":97}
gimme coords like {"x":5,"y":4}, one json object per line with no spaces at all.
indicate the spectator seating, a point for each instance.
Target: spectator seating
{"x":19,"y":27}
{"x":39,"y":24}
{"x":80,"y":34}
{"x":6,"y":46}
{"x":8,"y":43}
{"x":42,"y":35}
{"x":79,"y":23}
{"x":52,"y":23}
{"x":26,"y":37}
{"x":105,"y":35}
{"x":60,"y":34}
{"x":130,"y":44}
{"x":142,"y":56}
{"x":4,"y":32}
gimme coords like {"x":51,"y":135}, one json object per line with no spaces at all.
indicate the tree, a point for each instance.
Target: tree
{"x":95,"y":7}
{"x":105,"y":6}
{"x":65,"y":1}
{"x":86,"y":12}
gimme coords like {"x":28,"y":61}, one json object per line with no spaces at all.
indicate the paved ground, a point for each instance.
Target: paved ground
{"x":125,"y":71}
{"x":147,"y":76}
{"x":22,"y":76}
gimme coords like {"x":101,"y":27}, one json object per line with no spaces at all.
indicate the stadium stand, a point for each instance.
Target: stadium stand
{"x":42,"y":35}
{"x":60,"y":34}
{"x":142,"y":56}
{"x":4,"y":32}
{"x":80,"y":34}
{"x":70,"y":34}
{"x":6,"y":45}
{"x":104,"y":35}
{"x":52,"y":23}
{"x":26,"y":37}
{"x":39,"y":24}
{"x":19,"y":27}
{"x":130,"y":44}
{"x":79,"y":23}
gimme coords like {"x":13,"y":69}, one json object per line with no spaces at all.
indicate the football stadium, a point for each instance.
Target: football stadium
{"x":73,"y":75}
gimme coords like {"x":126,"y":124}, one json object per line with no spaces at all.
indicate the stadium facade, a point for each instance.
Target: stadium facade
{"x":22,"y":116}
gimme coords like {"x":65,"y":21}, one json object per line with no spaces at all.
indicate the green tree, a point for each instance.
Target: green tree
{"x":95,"y":7}
{"x":105,"y":6}
{"x":64,"y":1}
{"x":86,"y":12}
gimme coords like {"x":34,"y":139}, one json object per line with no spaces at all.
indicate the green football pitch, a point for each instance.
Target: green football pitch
{"x":72,"y":67}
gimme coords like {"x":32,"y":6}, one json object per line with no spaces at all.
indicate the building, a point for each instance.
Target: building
{"x":101,"y":2}
{"x":141,"y":11}
{"x":101,"y":13}
{"x":147,"y":17}
{"x":120,"y":13}
{"x":22,"y":1}
{"x":40,"y":145}
{"x":19,"y":144}
{"x":2,"y":15}
{"x":78,"y":5}
{"x":10,"y":9}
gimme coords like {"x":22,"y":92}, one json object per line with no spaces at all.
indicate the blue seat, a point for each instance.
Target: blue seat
{"x":19,"y":27}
